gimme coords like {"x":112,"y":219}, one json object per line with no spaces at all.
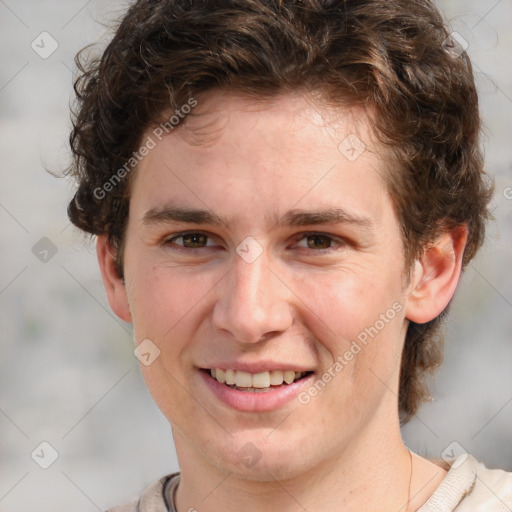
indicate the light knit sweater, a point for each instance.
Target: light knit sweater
{"x":468,"y":487}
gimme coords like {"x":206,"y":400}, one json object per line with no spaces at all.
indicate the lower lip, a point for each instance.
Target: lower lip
{"x":250,"y":401}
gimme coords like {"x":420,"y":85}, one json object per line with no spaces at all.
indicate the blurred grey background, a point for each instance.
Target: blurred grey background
{"x":68,"y":376}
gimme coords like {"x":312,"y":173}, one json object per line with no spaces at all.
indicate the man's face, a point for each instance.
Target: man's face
{"x":295,"y":264}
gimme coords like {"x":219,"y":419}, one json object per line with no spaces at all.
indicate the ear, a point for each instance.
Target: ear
{"x":114,"y":285}
{"x":436,"y":275}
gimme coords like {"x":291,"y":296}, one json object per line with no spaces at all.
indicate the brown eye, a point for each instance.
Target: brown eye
{"x":194,"y":240}
{"x":319,"y":241}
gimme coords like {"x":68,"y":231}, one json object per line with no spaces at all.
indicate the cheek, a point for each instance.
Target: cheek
{"x":349,"y":300}
{"x":358,"y":319}
{"x":165,"y":304}
{"x":163,"y":299}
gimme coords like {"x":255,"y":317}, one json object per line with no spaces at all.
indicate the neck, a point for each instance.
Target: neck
{"x":370,"y":473}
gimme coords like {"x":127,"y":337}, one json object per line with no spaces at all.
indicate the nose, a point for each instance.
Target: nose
{"x":253,"y":303}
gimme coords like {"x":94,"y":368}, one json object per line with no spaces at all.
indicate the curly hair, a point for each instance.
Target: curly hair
{"x":390,"y":56}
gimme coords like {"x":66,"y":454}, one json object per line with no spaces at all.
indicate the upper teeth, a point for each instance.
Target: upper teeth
{"x":255,"y":380}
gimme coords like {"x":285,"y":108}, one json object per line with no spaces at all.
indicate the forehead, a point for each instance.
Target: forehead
{"x":217,"y":111}
{"x":270,"y":153}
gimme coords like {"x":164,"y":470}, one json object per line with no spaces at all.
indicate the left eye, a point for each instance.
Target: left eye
{"x":317,"y":241}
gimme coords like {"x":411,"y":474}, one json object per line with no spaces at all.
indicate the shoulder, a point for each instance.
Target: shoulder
{"x":492,"y":490}
{"x":154,"y":497}
{"x":471,"y":487}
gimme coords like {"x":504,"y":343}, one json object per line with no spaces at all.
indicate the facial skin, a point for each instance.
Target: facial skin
{"x":300,"y":304}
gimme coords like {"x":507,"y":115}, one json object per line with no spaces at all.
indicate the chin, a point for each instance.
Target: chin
{"x":252,"y":456}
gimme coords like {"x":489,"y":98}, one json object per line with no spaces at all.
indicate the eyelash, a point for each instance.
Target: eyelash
{"x":333,"y":240}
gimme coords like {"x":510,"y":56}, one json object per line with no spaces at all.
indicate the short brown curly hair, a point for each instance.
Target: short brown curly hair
{"x":392,"y":56}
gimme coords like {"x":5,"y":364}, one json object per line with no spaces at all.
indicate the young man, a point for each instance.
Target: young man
{"x":285,"y":194}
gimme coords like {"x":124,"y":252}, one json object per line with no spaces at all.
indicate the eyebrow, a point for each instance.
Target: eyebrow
{"x":292,"y":218}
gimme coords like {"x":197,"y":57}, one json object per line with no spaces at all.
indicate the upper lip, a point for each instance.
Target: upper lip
{"x":256,"y":367}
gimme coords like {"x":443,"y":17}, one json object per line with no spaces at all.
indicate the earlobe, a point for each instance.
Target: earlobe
{"x":436,"y":275}
{"x":113,"y":283}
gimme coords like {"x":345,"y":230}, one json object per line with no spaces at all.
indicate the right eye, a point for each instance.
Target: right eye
{"x":189,"y":240}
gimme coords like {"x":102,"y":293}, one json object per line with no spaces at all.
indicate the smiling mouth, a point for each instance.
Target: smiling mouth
{"x":255,"y":382}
